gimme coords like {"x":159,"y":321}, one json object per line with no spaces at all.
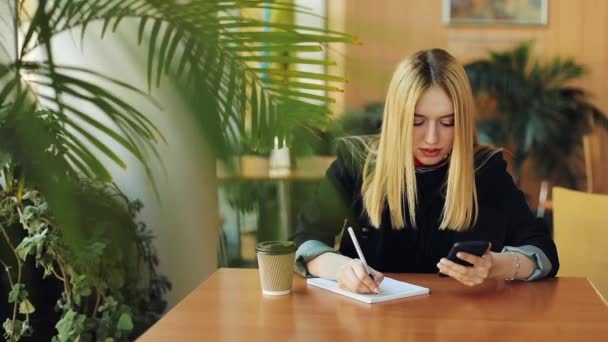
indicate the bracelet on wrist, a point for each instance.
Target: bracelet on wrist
{"x":517,"y":264}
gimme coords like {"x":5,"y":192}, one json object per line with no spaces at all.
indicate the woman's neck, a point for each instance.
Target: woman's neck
{"x":418,"y":163}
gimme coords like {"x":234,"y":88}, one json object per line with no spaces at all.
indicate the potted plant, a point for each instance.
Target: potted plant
{"x":109,"y":288}
{"x":115,"y":293}
{"x":534,"y":109}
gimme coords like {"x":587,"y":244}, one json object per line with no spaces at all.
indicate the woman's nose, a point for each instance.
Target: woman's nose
{"x":430,"y":136}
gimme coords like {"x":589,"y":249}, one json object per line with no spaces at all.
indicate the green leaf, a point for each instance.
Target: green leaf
{"x":140,"y":31}
{"x":265,"y":120}
{"x":162,"y":53}
{"x":187,"y":55}
{"x":125,"y":323}
{"x":99,"y":145}
{"x":18,"y":293}
{"x":152,"y":52}
{"x":108,"y":305}
{"x":298,"y":74}
{"x":85,"y":160}
{"x":303,"y":85}
{"x":287,"y":60}
{"x":21,"y":329}
{"x":9,"y":87}
{"x":277,"y":48}
{"x":254,"y":106}
{"x":31,"y":243}
{"x":82,"y":285}
{"x":299,"y":94}
{"x":177,"y":38}
{"x":70,"y":326}
{"x":26,"y":307}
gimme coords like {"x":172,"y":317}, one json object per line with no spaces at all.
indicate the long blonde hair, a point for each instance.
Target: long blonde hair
{"x":389,"y":171}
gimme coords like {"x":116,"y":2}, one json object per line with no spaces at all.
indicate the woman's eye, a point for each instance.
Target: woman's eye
{"x":447,"y":123}
{"x":418,"y":123}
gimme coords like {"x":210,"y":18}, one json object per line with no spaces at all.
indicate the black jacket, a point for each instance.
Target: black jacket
{"x":504,"y":219}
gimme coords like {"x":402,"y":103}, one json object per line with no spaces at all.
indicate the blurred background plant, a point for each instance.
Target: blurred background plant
{"x":60,"y":125}
{"x":113,"y":292}
{"x":351,"y":123}
{"x":534,"y":110}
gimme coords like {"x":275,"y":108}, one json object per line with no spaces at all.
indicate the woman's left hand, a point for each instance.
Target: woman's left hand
{"x":471,"y":275}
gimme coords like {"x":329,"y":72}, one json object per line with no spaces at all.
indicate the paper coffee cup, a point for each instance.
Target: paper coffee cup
{"x":276,"y":261}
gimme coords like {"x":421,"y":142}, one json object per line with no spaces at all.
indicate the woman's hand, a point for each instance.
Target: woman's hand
{"x":351,"y":276}
{"x":471,"y":275}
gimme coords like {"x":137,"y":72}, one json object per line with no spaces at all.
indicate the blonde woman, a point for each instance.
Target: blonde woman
{"x":418,"y":187}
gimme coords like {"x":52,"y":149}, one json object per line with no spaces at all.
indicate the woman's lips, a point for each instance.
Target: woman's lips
{"x":430,"y":152}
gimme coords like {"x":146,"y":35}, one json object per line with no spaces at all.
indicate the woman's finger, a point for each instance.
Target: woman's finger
{"x":348,"y":280}
{"x":378,"y":276}
{"x":363,"y":277}
{"x":467,"y":275}
{"x":449,"y":272}
{"x":470,"y":258}
{"x":357,"y":285}
{"x":454,"y":268}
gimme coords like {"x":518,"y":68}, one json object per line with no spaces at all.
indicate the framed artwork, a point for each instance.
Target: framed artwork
{"x":495,"y":12}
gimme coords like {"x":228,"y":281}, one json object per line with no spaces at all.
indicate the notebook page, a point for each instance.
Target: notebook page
{"x":389,"y":289}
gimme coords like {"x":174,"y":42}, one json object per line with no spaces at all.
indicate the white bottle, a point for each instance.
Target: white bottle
{"x":279,"y":160}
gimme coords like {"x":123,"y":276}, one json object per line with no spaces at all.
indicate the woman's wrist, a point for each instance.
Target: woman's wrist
{"x":327,"y":265}
{"x":511,"y":265}
{"x":504,"y":266}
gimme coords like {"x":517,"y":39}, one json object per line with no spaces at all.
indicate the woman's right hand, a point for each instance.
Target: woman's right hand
{"x":352,"y":276}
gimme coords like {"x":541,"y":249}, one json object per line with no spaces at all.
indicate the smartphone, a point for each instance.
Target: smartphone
{"x":472,"y":247}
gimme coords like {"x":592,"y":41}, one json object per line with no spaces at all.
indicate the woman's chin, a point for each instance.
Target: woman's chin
{"x":429,"y":160}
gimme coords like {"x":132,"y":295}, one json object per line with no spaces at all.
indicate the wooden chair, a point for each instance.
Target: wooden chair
{"x":581,"y":234}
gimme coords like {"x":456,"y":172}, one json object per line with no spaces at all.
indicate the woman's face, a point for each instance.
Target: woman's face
{"x":433,"y":126}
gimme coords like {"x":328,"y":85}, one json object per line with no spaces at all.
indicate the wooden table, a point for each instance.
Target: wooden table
{"x":229,"y":306}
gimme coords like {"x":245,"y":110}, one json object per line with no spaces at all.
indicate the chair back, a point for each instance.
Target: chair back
{"x":580,"y":222}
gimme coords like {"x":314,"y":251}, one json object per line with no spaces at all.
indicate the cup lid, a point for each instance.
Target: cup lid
{"x":276,"y":247}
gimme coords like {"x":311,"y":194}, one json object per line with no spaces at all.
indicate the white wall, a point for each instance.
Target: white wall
{"x":186,"y":221}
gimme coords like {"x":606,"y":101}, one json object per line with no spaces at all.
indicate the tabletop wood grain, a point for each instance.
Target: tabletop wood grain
{"x":229,"y":306}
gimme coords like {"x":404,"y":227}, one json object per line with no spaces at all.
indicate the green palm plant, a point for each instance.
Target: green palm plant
{"x":534,"y":109}
{"x":218,"y":56}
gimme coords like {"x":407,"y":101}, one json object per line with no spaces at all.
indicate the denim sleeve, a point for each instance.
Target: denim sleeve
{"x":523,"y":228}
{"x":308,"y":251}
{"x":543,"y":264}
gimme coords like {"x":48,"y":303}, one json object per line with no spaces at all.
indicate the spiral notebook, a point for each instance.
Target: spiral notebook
{"x":390,"y":289}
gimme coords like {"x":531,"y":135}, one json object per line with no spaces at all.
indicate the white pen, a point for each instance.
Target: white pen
{"x":359,"y":251}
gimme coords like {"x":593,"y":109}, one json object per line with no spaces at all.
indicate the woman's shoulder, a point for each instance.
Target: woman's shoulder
{"x":489,"y":160}
{"x":492,"y":176}
{"x":491,"y":169}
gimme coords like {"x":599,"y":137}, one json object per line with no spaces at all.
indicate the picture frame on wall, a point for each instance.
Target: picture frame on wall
{"x":495,"y":12}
